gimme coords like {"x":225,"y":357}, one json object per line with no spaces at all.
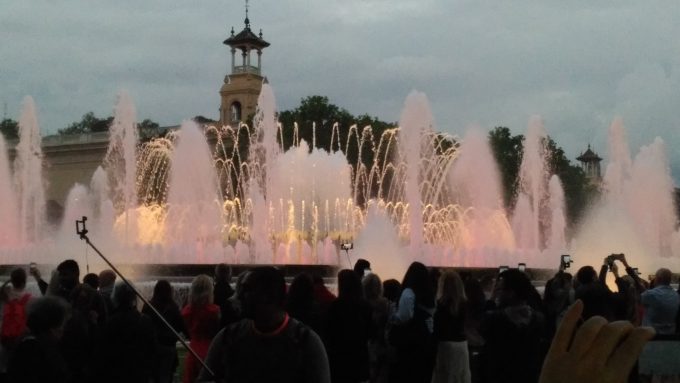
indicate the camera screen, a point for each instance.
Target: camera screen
{"x":522,"y":266}
{"x":566,"y":258}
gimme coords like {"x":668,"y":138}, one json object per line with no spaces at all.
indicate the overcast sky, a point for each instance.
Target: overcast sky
{"x":576,"y":63}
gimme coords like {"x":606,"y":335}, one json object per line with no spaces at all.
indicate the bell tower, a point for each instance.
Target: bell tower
{"x":242,"y":85}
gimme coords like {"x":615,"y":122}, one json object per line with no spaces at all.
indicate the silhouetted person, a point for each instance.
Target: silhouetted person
{"x":322,"y":295}
{"x":301,"y":304}
{"x":92,"y":280}
{"x":360,"y":267}
{"x":377,"y":344}
{"x":231,"y":313}
{"x":392,"y":290}
{"x":349,"y":329}
{"x":557,"y":297}
{"x":82,"y":329}
{"x":14,"y":300}
{"x":513,"y":333}
{"x":166,"y":360}
{"x":68,"y":278}
{"x":412,"y":327}
{"x":223,"y":290}
{"x":267,"y":345}
{"x":202,"y":320}
{"x":591,"y":289}
{"x":453,"y":361}
{"x":35,"y":273}
{"x":37,"y":358}
{"x":107,"y":279}
{"x":128,"y":343}
{"x":661,"y":304}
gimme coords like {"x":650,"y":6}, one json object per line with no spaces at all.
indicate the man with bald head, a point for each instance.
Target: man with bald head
{"x":661,"y":304}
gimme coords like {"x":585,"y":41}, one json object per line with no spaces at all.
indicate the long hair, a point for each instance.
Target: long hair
{"x":373,"y":288}
{"x":163,"y":294}
{"x":349,"y":286}
{"x":451,"y":292}
{"x":201,"y":292}
{"x":417,"y":278}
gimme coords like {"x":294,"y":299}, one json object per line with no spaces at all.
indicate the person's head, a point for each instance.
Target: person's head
{"x":349,"y":285}
{"x":301,"y":291}
{"x":69,"y":274}
{"x":83,"y":298}
{"x":451,"y":292}
{"x":586,"y":275}
{"x":392,"y":290}
{"x":513,"y":288}
{"x":162,"y":293}
{"x":417,"y":278}
{"x":123,"y":296}
{"x":107,"y":279}
{"x":91,"y":280}
{"x":487,"y":282}
{"x":222,"y":273}
{"x":663,"y":277}
{"x":201,"y":292}
{"x":361,"y":266}
{"x":18,"y":278}
{"x":45,"y":316}
{"x":373,"y":287}
{"x":262,"y":292}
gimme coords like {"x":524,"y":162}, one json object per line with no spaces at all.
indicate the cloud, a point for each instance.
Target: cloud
{"x":578,"y":64}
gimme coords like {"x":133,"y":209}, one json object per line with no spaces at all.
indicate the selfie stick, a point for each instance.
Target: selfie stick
{"x":81,"y":230}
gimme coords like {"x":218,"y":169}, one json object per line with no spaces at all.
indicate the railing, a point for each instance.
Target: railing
{"x":246,"y":69}
{"x":68,"y":139}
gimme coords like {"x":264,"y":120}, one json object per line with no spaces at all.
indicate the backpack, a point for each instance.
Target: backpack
{"x":14,"y":320}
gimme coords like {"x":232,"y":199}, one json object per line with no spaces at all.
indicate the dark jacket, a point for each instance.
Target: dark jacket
{"x":126,"y":348}
{"x":37,"y":359}
{"x":350,"y":326}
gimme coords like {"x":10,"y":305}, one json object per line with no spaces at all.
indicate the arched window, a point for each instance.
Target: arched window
{"x":235,"y":111}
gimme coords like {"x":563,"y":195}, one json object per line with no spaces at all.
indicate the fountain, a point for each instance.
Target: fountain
{"x":233,"y":194}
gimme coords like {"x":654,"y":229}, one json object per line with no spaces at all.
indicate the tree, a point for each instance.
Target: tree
{"x":9,"y":128}
{"x":578,"y":191}
{"x":508,"y":150}
{"x":148,"y":130}
{"x":88,"y":124}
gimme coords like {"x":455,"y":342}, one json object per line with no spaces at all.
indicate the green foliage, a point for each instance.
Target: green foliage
{"x":147,"y":129}
{"x":9,"y":128}
{"x":508,"y":150}
{"x":316,"y":118}
{"x":88,"y":124}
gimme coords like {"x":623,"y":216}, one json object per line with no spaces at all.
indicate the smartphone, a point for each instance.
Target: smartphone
{"x":502,"y":269}
{"x":522,"y":266}
{"x":347,"y":246}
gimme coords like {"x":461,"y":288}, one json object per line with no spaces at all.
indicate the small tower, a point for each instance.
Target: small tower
{"x":243,"y":84}
{"x":590,"y":163}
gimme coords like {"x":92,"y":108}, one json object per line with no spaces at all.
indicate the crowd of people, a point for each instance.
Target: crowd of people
{"x":435,"y":325}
